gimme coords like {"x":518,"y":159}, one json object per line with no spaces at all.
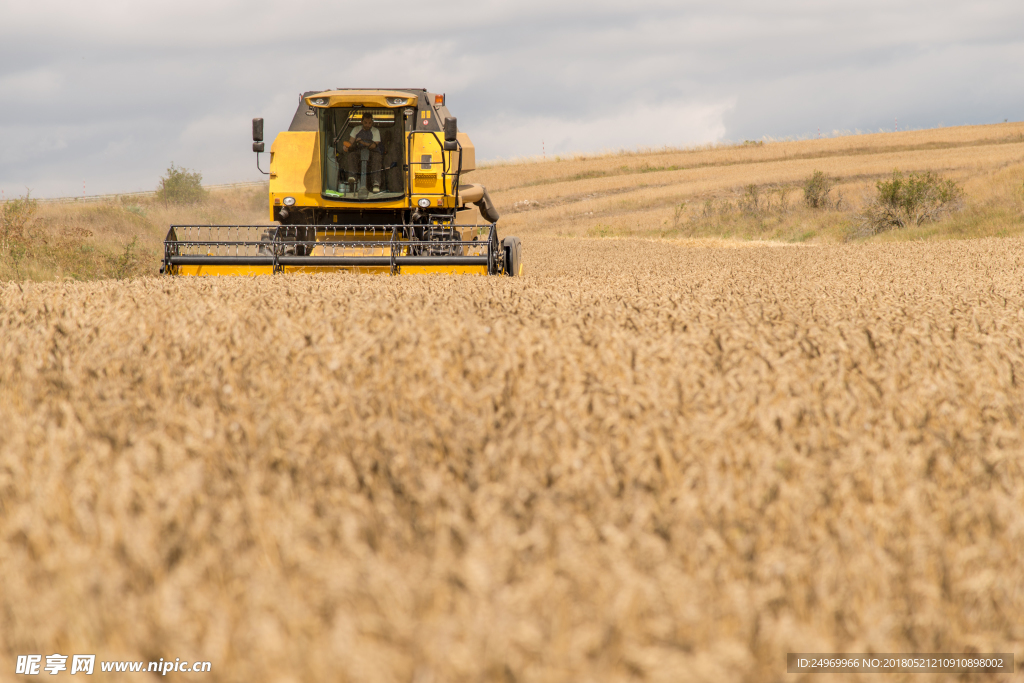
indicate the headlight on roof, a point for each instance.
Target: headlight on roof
{"x":397,"y":100}
{"x":320,"y":101}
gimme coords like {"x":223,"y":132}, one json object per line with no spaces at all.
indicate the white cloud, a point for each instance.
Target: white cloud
{"x":114,"y":91}
{"x":37,"y":84}
{"x":642,"y":125}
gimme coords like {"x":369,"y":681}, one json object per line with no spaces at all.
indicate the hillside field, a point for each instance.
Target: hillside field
{"x":751,"y":192}
{"x":689,"y":441}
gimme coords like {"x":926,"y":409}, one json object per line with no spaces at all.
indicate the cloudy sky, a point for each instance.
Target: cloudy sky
{"x":110,"y":92}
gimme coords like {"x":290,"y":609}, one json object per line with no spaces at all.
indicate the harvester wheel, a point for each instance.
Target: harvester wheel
{"x":513,"y":256}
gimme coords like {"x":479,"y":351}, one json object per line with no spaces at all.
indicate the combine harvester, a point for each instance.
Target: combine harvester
{"x":366,"y":181}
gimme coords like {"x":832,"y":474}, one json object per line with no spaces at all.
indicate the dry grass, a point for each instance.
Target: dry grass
{"x":646,"y":461}
{"x":639,"y":194}
{"x":906,"y":144}
{"x":117,"y":238}
{"x":664,"y":455}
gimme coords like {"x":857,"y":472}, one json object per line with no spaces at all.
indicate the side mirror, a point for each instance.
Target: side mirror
{"x":257,"y":143}
{"x":451,"y":130}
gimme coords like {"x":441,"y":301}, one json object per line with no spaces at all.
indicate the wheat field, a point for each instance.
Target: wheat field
{"x":660,"y":193}
{"x":648,"y":460}
{"x":659,"y":456}
{"x":675,"y":194}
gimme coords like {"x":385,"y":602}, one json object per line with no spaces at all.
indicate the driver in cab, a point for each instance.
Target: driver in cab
{"x":365,"y":137}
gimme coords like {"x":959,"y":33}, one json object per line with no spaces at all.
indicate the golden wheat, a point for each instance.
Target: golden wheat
{"x":627,"y":202}
{"x":644,"y":461}
{"x":507,"y":176}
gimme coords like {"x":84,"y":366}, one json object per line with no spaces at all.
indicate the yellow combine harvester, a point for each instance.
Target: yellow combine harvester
{"x":363,"y":180}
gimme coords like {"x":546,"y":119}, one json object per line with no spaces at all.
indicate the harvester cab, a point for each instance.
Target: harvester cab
{"x":369,"y":181}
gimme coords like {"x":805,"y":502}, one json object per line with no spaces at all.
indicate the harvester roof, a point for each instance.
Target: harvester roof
{"x":305,"y":120}
{"x":361,"y":98}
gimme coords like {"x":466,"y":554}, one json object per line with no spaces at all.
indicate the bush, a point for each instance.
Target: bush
{"x":14,"y":217}
{"x":818,"y":192}
{"x":750,"y":202}
{"x":127,"y":263}
{"x":760,"y":201}
{"x":914,"y":199}
{"x":181,"y":186}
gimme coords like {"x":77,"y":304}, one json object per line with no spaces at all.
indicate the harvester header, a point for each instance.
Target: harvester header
{"x":363,"y":180}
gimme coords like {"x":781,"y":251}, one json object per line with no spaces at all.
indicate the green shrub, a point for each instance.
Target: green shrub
{"x":762,"y":201}
{"x":750,"y":202}
{"x":908,"y":200}
{"x":127,"y":263}
{"x":181,"y":186}
{"x":14,"y":218}
{"x":15,"y":242}
{"x":818,"y":192}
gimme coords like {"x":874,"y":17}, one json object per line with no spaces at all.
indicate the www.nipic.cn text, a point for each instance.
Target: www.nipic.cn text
{"x":32,"y":665}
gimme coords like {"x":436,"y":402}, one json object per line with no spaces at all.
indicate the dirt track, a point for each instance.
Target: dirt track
{"x":643,"y":461}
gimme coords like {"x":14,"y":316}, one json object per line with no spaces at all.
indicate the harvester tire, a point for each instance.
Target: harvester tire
{"x":513,"y":256}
